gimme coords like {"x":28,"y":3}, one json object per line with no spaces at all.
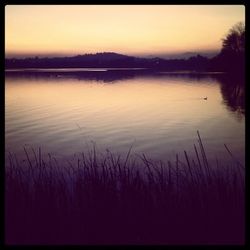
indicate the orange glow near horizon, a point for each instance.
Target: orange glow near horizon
{"x":127,"y":29}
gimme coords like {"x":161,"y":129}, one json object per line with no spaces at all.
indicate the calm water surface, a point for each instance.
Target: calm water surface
{"x":157,"y":114}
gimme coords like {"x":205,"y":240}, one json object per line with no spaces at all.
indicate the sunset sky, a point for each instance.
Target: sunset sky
{"x":133,"y":30}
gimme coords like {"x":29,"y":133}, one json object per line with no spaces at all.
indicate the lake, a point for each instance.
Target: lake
{"x":65,"y":111}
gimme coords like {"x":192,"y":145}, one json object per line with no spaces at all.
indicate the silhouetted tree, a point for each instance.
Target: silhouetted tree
{"x":234,"y":42}
{"x":232,"y":55}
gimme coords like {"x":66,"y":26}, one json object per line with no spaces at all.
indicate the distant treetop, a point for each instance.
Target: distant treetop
{"x":235,"y":39}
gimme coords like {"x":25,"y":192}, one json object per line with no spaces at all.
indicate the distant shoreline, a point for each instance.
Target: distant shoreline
{"x":115,"y":62}
{"x":111,"y":60}
{"x":84,"y":69}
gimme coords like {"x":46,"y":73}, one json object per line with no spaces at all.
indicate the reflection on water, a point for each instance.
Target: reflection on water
{"x":233,"y":92}
{"x":158,"y":113}
{"x":99,"y":74}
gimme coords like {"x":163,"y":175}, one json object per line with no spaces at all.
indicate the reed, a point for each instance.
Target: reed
{"x":105,"y":199}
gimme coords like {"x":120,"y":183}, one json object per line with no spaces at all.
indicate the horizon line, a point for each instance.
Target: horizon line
{"x":140,"y":55}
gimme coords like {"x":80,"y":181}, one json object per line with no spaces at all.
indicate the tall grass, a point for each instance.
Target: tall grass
{"x":107,"y":199}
